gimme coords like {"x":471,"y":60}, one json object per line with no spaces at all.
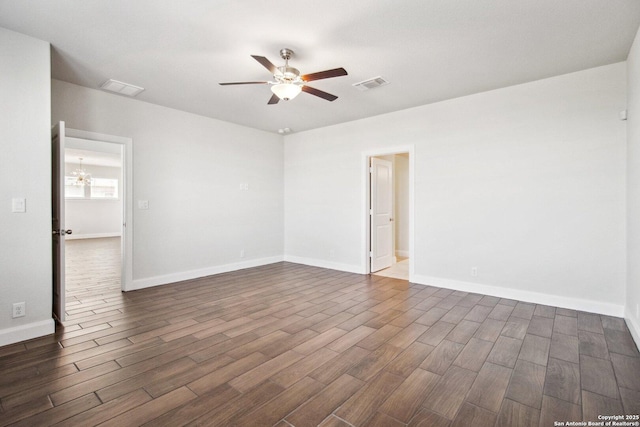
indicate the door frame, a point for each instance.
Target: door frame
{"x":366,"y":202}
{"x":127,"y":197}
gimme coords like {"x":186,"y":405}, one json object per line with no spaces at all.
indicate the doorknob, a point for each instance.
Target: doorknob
{"x":61,"y":232}
{"x":390,"y":219}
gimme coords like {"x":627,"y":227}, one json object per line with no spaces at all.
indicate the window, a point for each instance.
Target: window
{"x":104,"y":188}
{"x":100,"y":188}
{"x":72,"y":191}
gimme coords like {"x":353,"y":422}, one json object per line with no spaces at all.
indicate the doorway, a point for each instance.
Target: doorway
{"x":389,"y":212}
{"x":92,"y":196}
{"x":94,"y":213}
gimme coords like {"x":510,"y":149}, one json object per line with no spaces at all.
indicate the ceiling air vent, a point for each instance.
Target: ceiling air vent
{"x":121,"y":88}
{"x":371,"y":83}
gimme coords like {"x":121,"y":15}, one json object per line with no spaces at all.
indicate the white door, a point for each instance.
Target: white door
{"x":381,"y":214}
{"x":57,"y":216}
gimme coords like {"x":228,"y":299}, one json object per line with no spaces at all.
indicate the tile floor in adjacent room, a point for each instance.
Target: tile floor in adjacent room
{"x":288,"y":344}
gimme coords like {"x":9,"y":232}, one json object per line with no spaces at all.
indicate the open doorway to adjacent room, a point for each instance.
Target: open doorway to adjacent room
{"x":94,"y":213}
{"x":389,"y":215}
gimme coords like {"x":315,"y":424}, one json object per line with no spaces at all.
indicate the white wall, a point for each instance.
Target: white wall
{"x":94,"y":217}
{"x":401,"y":202}
{"x":632,"y":313}
{"x":25,"y":172}
{"x":190,"y":169}
{"x":525,"y":183}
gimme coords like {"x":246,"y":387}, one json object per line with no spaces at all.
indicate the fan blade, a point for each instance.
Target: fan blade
{"x":336,"y":72}
{"x":243,"y":83}
{"x":320,"y":93}
{"x":273,"y":100}
{"x":266,"y":64}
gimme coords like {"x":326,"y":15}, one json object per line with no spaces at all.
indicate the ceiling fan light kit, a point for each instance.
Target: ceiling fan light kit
{"x":288,"y":83}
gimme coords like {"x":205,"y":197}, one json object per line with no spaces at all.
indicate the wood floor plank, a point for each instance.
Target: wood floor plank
{"x":225,"y":414}
{"x":62,"y":412}
{"x":592,"y":344}
{"x":196,"y":407}
{"x":627,"y":370}
{"x":426,"y":418}
{"x":300,"y":369}
{"x":319,"y":407}
{"x":474,"y":354}
{"x":448,"y":395}
{"x":351,"y":338}
{"x":565,"y":347}
{"x":563,"y":381}
{"x":597,"y":376}
{"x":505,"y":351}
{"x":405,"y":401}
{"x":630,"y":400}
{"x":554,"y":409}
{"x":230,"y":371}
{"x":436,"y":333}
{"x":594,"y":404}
{"x":541,"y":326}
{"x":439,"y":360}
{"x":566,"y":325}
{"x":153,"y":409}
{"x":490,"y":386}
{"x":470,"y":415}
{"x":379,"y":337}
{"x":463,"y":331}
{"x":281,"y":405}
{"x":535,"y":349}
{"x":516,"y":327}
{"x":374,"y":362}
{"x":405,"y":363}
{"x":366,"y":401}
{"x":514,"y":414}
{"x":527,"y":384}
{"x":621,"y":342}
{"x":104,"y":412}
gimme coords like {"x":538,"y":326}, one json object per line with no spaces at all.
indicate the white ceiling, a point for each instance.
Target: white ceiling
{"x":429,"y":50}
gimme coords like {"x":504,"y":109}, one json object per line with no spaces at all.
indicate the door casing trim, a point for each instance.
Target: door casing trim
{"x":365,"y":247}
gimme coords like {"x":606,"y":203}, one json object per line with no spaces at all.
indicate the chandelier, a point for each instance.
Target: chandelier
{"x":82,"y":177}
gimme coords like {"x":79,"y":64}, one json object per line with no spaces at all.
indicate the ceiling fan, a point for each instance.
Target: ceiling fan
{"x":288,"y":82}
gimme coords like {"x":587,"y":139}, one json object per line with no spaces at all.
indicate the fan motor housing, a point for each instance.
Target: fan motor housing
{"x":288,"y":73}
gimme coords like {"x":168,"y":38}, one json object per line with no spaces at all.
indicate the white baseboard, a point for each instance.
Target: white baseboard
{"x":27,"y":332}
{"x":91,"y":236}
{"x":203,"y":272}
{"x":574,"y":303}
{"x":325,"y":264}
{"x":404,"y":254}
{"x":633,"y":324}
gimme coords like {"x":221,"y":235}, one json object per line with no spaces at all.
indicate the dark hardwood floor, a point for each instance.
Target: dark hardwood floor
{"x":288,"y":344}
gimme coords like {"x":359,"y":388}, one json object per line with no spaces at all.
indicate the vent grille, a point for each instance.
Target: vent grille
{"x":121,"y":88}
{"x":370,"y":83}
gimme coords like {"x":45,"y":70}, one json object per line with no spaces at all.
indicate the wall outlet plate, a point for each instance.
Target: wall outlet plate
{"x":19,"y":309}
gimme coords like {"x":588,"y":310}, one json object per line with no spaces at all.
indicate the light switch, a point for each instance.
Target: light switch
{"x":18,"y":205}
{"x":143,"y":204}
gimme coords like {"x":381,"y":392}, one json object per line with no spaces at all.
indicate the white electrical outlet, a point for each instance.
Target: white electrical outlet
{"x":241,"y":253}
{"x":474,"y":271}
{"x":19,"y":309}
